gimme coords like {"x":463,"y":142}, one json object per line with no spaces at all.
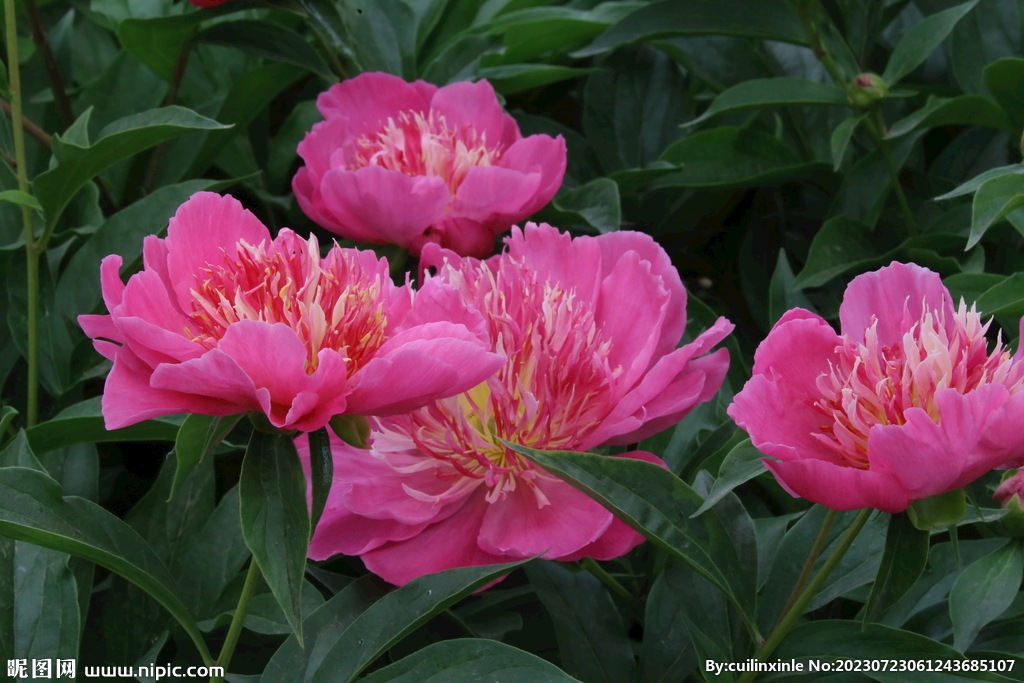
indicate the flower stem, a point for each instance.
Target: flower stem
{"x":876,"y":130}
{"x":31,"y":254}
{"x":251,"y":579}
{"x":797,"y":610}
{"x":607,"y":579}
{"x":812,"y":558}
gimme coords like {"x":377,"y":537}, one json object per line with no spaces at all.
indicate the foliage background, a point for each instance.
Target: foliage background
{"x":767,"y":194}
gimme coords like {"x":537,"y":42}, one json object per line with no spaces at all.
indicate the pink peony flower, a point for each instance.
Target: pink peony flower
{"x":410,"y":164}
{"x":908,"y":403}
{"x":224,"y":320}
{"x":1011,"y":487}
{"x":590,"y":328}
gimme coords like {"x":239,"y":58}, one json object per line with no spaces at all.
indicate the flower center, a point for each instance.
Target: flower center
{"x":547,"y":396}
{"x":874,"y":385}
{"x":424,"y":145}
{"x":330,"y":303}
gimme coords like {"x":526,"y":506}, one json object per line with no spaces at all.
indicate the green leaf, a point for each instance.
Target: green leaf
{"x":760,"y":93}
{"x":903,"y":561}
{"x":32,"y":510}
{"x":157,"y":42}
{"x":732,"y":157}
{"x":705,"y":611}
{"x":78,"y":163}
{"x":1004,"y":298}
{"x":994,"y":199}
{"x":592,"y":639}
{"x":972,"y":185}
{"x":509,"y":79}
{"x":292,"y":663}
{"x":972,"y":110}
{"x":197,"y":438}
{"x":840,"y":139}
{"x":283,"y":147}
{"x":983,"y":591}
{"x":83,"y":423}
{"x":1002,"y":79}
{"x":743,"y":463}
{"x":667,"y":654}
{"x":840,"y":245}
{"x":781,"y":295}
{"x":830,"y":640}
{"x":393,"y":617}
{"x":275,"y":519}
{"x":321,"y":467}
{"x":596,"y":204}
{"x":263,"y":615}
{"x":668,"y":18}
{"x":658,"y":504}
{"x":921,"y":41}
{"x":991,"y":31}
{"x":78,"y":290}
{"x":266,"y":39}
{"x":20,"y":198}
{"x":867,"y":184}
{"x":469,"y":661}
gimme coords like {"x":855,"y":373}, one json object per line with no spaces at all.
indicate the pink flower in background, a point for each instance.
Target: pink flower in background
{"x":410,"y":164}
{"x":1012,"y":486}
{"x":590,"y":328}
{"x":908,"y":403}
{"x":224,"y":320}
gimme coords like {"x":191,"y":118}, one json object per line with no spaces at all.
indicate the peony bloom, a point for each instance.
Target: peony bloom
{"x":224,"y":320}
{"x":410,"y":164}
{"x":1011,"y":487}
{"x":907,"y":404}
{"x":590,"y":328}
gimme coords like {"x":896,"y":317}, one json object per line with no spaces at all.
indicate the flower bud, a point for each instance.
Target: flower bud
{"x":866,"y":89}
{"x":938,"y":512}
{"x":352,"y":429}
{"x":1009,"y":493}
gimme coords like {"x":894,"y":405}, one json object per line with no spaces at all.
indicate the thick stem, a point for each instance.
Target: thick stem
{"x":39,"y":37}
{"x":31,"y":255}
{"x":812,"y":558}
{"x":252,"y":577}
{"x":797,"y":610}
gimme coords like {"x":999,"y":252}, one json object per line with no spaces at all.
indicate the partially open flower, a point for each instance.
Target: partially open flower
{"x":410,"y":164}
{"x":590,"y":328}
{"x":907,"y":404}
{"x":224,"y":320}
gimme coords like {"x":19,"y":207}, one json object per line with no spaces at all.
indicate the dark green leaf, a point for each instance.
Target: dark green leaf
{"x":991,"y":31}
{"x":79,"y":162}
{"x":1003,"y":79}
{"x":275,"y":519}
{"x":658,"y":504}
{"x":197,"y":438}
{"x":596,"y":204}
{"x":705,"y":611}
{"x":733,"y":157}
{"x":742,"y":464}
{"x":781,"y":295}
{"x":20,"y":198}
{"x":971,"y":110}
{"x":83,"y":423}
{"x":841,"y":245}
{"x":32,"y":510}
{"x":983,"y":591}
{"x":267,"y":39}
{"x":469,"y":661}
{"x":394,"y":616}
{"x":512,"y":78}
{"x":904,"y":559}
{"x":321,"y":466}
{"x":592,"y":639}
{"x":921,"y":41}
{"x":761,"y":93}
{"x":667,"y":654}
{"x":666,"y":18}
{"x":994,"y":199}
{"x":283,"y":148}
{"x":867,"y":183}
{"x":972,"y":185}
{"x":841,"y":139}
{"x":157,"y":42}
{"x":1004,"y":298}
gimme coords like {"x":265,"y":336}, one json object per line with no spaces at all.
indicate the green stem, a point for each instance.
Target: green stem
{"x":31,"y":255}
{"x":817,"y":46}
{"x":604,"y":577}
{"x":876,"y":131}
{"x":805,"y":598}
{"x":812,"y":558}
{"x":251,"y":579}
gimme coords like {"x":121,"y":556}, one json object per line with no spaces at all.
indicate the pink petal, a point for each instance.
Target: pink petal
{"x":473,"y":105}
{"x":379,"y":206}
{"x":839,"y":487}
{"x":99,"y":326}
{"x":437,"y":301}
{"x":515,"y":525}
{"x":445,"y":545}
{"x":495,"y":197}
{"x":370,"y":98}
{"x":203,"y":233}
{"x":557,"y":257}
{"x":897,"y":295}
{"x":110,"y":281}
{"x":543,"y":152}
